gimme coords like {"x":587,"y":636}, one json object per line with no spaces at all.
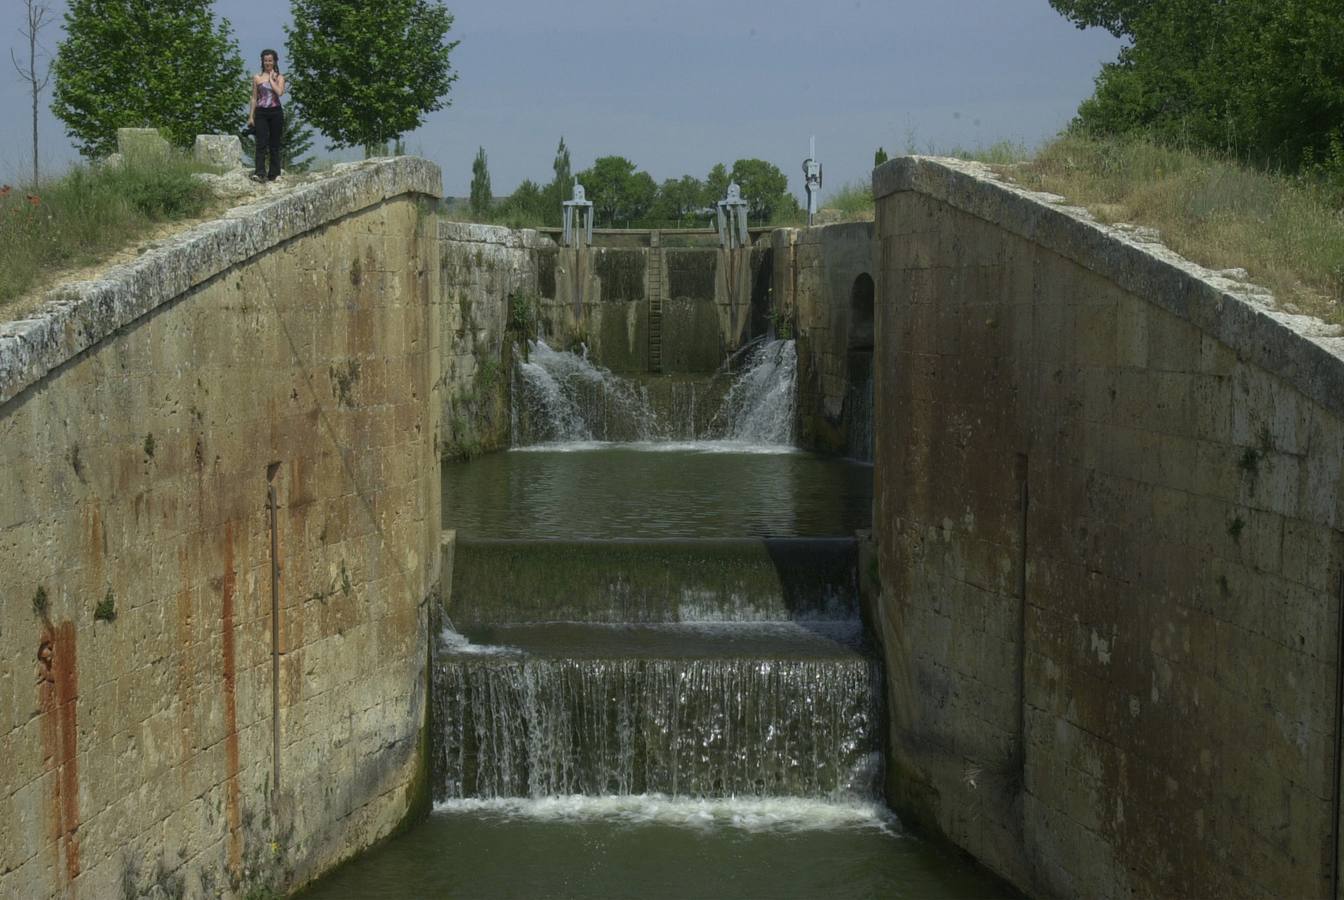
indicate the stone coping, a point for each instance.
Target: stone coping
{"x":515,"y":238}
{"x":1302,"y":350}
{"x":77,"y":315}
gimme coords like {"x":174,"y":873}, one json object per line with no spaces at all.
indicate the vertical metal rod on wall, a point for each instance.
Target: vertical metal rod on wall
{"x":275,"y":638}
{"x":1339,"y":742}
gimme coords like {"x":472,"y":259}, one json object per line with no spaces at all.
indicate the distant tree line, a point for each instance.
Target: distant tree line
{"x":623,"y":196}
{"x":1260,"y":79}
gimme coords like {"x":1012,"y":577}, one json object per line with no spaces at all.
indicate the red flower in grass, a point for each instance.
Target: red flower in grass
{"x":5,"y":191}
{"x":33,"y":200}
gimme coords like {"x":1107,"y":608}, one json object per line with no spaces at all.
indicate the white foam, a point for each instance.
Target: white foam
{"x":722,"y":446}
{"x":755,"y":814}
{"x":452,"y":642}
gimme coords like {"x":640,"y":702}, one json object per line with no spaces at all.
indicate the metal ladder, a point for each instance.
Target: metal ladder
{"x":655,"y":281}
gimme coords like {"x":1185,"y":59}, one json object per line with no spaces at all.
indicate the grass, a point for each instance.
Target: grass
{"x":1287,"y":232}
{"x":87,"y":215}
{"x":853,"y":202}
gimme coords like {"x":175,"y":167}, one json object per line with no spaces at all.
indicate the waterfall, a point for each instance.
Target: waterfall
{"x":564,"y":397}
{"x":759,"y":407}
{"x":514,"y":725}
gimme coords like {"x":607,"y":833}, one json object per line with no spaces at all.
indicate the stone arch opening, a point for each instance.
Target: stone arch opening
{"x":859,"y":403}
{"x":861,"y":313}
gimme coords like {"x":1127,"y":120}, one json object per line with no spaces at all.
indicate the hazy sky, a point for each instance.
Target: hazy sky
{"x":677,"y":87}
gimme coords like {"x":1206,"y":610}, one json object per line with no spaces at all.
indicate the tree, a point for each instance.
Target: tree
{"x":526,"y":206}
{"x":716,"y":184}
{"x":763,"y":187}
{"x":368,"y":73}
{"x":678,"y":201}
{"x":558,"y":191}
{"x":167,"y":64}
{"x":36,"y":17}
{"x":879,"y":157}
{"x":1260,"y":78}
{"x":296,"y":147}
{"x":619,"y":194}
{"x":480,"y":185}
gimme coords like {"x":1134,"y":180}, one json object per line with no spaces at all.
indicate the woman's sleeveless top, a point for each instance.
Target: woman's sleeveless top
{"x":266,"y":96}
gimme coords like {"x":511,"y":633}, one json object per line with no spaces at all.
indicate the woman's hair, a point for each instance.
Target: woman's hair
{"x":272,"y":53}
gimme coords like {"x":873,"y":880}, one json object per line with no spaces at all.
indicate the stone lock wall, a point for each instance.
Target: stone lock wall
{"x":292,"y":344}
{"x":817,"y":272}
{"x":485,"y":270}
{"x":1111,"y":528}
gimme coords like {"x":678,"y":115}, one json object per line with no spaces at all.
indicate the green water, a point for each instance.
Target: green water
{"x":656,"y":490}
{"x":561,"y":689}
{"x":641,"y":851}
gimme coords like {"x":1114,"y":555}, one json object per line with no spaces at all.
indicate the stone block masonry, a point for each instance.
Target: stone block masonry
{"x":291,"y":345}
{"x":1110,"y":519}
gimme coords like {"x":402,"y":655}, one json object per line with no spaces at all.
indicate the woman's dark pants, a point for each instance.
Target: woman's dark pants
{"x":270,"y":130}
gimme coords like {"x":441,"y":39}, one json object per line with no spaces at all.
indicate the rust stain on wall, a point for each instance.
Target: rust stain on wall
{"x":231,"y":790}
{"x":58,"y":695}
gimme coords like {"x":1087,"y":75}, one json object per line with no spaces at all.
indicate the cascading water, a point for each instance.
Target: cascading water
{"x":759,"y":407}
{"x":562,"y":397}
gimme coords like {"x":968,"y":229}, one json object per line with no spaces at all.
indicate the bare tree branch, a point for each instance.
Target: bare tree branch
{"x":38,"y":17}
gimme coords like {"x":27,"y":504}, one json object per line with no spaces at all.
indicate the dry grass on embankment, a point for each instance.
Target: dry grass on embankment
{"x":1286,"y":232}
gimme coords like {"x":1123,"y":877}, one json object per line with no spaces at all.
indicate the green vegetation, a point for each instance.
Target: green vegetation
{"x":623,"y":196}
{"x":1286,"y":231}
{"x":480,"y":183}
{"x":167,"y":64}
{"x":106,"y":610}
{"x":88,"y":214}
{"x":368,"y":73}
{"x":1259,"y":80}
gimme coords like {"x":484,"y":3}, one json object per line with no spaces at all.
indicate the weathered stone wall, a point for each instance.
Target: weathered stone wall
{"x":1109,"y":509}
{"x":816,"y":274}
{"x":291,"y":344}
{"x":486,"y":272}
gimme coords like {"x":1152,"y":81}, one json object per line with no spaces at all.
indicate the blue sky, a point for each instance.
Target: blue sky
{"x":677,"y":87}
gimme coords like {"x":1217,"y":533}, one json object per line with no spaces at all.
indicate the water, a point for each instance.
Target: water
{"x":658,"y":684}
{"x":684,"y":711}
{"x":561,"y":397}
{"x":656,"y":848}
{"x":651,"y":490}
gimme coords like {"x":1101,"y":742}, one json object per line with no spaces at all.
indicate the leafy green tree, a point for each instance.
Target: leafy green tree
{"x":558,"y":191}
{"x":297,"y":144}
{"x":1262,"y":79}
{"x":619,"y":194}
{"x":678,"y":201}
{"x":879,"y":157}
{"x":168,"y":64}
{"x":480,"y":184}
{"x":525,"y":207}
{"x":716,"y":184}
{"x":763,"y":185}
{"x":368,"y":73}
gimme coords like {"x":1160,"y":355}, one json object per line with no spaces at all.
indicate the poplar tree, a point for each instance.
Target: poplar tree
{"x":480,"y":184}
{"x":166,"y":64}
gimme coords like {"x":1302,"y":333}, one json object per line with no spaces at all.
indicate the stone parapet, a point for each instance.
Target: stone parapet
{"x":78,"y":315}
{"x":1302,"y":350}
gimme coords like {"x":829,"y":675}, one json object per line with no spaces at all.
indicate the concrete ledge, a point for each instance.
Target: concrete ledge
{"x":1302,"y":350}
{"x":473,"y":233}
{"x":77,"y":316}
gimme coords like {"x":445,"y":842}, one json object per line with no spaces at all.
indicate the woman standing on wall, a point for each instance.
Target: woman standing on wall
{"x":266,"y":115}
